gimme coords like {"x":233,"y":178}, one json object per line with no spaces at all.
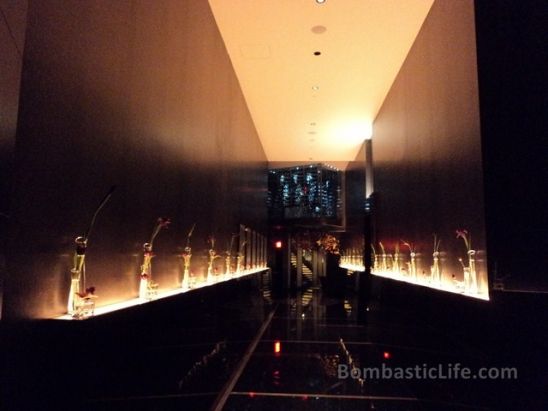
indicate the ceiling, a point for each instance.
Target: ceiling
{"x":316,"y":108}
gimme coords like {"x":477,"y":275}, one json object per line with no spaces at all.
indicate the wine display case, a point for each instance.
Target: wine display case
{"x":311,"y":192}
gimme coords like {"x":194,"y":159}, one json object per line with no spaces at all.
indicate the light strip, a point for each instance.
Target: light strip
{"x":352,"y":267}
{"x":393,"y":276}
{"x":105,"y":309}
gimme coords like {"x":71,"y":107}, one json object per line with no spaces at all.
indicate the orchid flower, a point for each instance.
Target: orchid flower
{"x":408,"y":245}
{"x":437,"y":243}
{"x":382,"y":247}
{"x":161,"y":223}
{"x":242,"y":247}
{"x":229,"y":251}
{"x":189,"y":235}
{"x":467,"y":238}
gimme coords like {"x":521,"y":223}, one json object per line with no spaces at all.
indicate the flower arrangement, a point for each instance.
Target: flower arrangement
{"x":466,"y":237}
{"x":396,"y":263}
{"x":212,"y":257}
{"x":148,"y":288}
{"x":435,"y":269}
{"x":384,"y":258}
{"x":376,"y":264}
{"x":78,"y":272}
{"x":88,"y":293}
{"x":228,"y":258}
{"x":404,"y":263}
{"x":240,"y":257}
{"x":187,"y":255}
{"x":470,"y":279}
{"x":329,"y":243}
{"x":412,"y":264}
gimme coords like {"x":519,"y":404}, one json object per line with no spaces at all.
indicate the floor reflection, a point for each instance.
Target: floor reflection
{"x":266,"y":353}
{"x":318,"y":334}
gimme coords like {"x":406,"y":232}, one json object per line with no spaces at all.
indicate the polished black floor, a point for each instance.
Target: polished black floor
{"x":242,"y":349}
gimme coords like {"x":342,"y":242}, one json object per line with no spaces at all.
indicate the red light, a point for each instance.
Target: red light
{"x":305,"y":397}
{"x":278,"y":244}
{"x":386,"y":355}
{"x":251,"y":394}
{"x":277,"y":347}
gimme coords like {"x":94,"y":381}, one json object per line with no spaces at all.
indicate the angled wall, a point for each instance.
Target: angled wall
{"x":12,"y":41}
{"x":137,"y":94}
{"x":427,"y":147}
{"x":353,"y":240}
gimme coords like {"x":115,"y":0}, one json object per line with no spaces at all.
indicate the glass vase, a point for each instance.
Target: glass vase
{"x":473,"y":281}
{"x":209,"y":277}
{"x":396,"y":265}
{"x":185,"y":284}
{"x":384,"y":263}
{"x":239,"y":265}
{"x":227,"y":267}
{"x":413,"y":266}
{"x":73,"y":293}
{"x":435,"y":270}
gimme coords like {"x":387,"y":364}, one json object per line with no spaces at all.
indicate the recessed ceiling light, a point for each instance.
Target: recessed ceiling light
{"x":320,"y":1}
{"x":315,"y":88}
{"x":317,"y":53}
{"x":313,"y":124}
{"x":319,"y":29}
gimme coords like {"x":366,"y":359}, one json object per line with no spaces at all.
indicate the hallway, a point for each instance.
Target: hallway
{"x":287,"y":146}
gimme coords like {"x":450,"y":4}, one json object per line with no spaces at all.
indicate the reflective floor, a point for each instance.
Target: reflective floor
{"x":251,"y":351}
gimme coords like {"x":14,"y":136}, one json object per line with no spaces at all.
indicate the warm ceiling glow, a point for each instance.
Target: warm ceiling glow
{"x":351,"y":50}
{"x":353,"y":131}
{"x":320,"y":1}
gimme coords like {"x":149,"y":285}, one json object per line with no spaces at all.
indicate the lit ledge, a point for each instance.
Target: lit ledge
{"x":352,"y":267}
{"x":443,"y":286}
{"x":105,"y":309}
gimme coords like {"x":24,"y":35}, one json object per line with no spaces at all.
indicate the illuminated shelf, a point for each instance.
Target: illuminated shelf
{"x":105,"y":309}
{"x":352,"y":267}
{"x":443,"y":286}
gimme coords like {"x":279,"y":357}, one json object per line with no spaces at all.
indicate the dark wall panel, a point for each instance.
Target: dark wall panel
{"x":512,"y":58}
{"x":137,"y":94}
{"x":12,"y":41}
{"x":427,"y":145}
